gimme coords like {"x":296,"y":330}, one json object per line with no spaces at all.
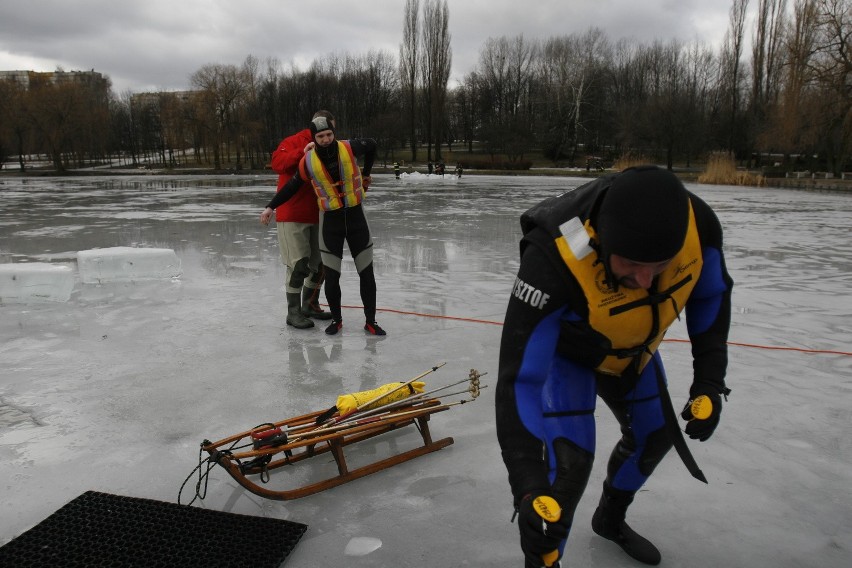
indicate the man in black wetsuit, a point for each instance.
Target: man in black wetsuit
{"x":331,"y":167}
{"x":605,"y":270}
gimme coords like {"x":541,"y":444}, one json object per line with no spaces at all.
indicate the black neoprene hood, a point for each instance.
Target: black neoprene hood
{"x":320,"y":124}
{"x":644,"y":215}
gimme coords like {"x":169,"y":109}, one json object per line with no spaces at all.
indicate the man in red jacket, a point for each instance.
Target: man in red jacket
{"x":298,"y":236}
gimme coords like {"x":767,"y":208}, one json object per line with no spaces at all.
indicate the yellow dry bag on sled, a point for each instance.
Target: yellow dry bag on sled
{"x":347,"y":403}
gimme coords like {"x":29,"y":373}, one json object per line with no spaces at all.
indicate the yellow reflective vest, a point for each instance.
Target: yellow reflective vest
{"x":331,"y":195}
{"x":634,"y":321}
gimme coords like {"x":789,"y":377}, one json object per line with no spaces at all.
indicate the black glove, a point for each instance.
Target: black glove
{"x":538,"y":537}
{"x":698,"y":428}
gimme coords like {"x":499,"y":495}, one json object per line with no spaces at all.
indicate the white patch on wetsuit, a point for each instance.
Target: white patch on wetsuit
{"x":576,"y":237}
{"x":532,"y":296}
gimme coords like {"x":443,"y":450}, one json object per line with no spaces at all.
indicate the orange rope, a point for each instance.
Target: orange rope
{"x":776,"y":348}
{"x":734,"y":343}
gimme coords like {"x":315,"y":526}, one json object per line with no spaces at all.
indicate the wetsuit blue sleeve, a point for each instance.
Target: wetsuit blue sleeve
{"x":288,"y":190}
{"x":708,"y":310}
{"x":528,"y":346}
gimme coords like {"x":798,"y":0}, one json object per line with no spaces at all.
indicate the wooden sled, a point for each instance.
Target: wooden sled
{"x":252,"y":456}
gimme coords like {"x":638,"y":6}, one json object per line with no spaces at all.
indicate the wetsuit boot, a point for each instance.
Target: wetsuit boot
{"x":295,"y":317}
{"x":310,"y":307}
{"x":608,"y":522}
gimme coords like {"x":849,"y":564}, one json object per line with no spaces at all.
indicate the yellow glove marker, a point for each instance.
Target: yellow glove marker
{"x":702,"y":407}
{"x":549,"y":510}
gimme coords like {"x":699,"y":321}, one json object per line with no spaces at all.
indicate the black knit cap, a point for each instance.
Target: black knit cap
{"x":644,"y":215}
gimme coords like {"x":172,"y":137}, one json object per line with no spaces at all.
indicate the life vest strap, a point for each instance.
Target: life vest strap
{"x":653,"y":298}
{"x":673,"y":429}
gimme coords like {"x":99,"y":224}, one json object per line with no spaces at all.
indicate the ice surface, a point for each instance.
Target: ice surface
{"x":122,"y":264}
{"x":115,"y":389}
{"x":23,"y":282}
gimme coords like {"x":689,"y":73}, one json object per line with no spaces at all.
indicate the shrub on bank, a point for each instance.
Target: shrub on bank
{"x":722,"y":170}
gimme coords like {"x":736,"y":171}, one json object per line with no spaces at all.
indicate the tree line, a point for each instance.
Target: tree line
{"x":565,"y":98}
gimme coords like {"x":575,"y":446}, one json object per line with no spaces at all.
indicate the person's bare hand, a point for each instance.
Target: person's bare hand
{"x":265,"y":216}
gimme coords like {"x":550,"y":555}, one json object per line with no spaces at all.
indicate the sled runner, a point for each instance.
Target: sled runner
{"x":251,"y":457}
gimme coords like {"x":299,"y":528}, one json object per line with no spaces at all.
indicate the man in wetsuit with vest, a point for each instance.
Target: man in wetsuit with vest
{"x":339,"y":184}
{"x":605,"y":270}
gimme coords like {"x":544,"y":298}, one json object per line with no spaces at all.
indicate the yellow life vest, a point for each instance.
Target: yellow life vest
{"x":627,"y":317}
{"x":332,"y":194}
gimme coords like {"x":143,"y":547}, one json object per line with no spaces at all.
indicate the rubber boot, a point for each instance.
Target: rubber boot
{"x":295,"y":317}
{"x":310,"y":307}
{"x":608,"y":522}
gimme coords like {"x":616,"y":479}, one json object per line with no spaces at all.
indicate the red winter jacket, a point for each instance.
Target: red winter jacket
{"x":302,"y":208}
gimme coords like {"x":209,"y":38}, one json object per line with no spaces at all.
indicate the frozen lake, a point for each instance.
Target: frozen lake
{"x":114,"y":389}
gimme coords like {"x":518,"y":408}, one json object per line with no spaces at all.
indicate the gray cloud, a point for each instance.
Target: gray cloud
{"x":158,"y":44}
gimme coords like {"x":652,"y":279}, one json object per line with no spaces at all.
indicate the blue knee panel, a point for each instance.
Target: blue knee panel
{"x":646,"y":416}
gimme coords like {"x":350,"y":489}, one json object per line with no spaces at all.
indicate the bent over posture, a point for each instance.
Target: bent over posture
{"x":339,"y":185}
{"x":605,"y":270}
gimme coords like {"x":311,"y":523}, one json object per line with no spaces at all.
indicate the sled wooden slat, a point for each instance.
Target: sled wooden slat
{"x":307,"y":441}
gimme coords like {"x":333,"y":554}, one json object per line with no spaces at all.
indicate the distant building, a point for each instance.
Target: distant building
{"x":27,"y":79}
{"x":144,"y":100}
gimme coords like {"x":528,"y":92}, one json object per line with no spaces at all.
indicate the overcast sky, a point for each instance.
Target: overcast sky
{"x":157,"y":44}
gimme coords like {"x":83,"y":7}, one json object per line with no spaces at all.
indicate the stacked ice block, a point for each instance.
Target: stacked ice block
{"x":24,"y":282}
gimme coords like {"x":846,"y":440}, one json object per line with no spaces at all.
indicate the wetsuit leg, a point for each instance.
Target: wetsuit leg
{"x":333,"y":295}
{"x":368,"y":293}
{"x":361,"y":246}
{"x":636,"y":404}
{"x":332,"y":233}
{"x":569,"y":429}
{"x":635,"y":401}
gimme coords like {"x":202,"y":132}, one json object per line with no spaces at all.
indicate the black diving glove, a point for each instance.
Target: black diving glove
{"x":703,"y":410}
{"x":539,"y":538}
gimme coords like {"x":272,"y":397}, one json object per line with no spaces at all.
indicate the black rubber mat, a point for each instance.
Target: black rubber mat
{"x":99,"y":529}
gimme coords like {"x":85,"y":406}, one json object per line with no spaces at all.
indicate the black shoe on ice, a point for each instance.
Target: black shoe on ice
{"x":635,"y":545}
{"x":374,"y":329}
{"x":334,"y":327}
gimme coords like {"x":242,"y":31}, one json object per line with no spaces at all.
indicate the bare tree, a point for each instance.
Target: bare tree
{"x":437,"y":60}
{"x":730,"y":68}
{"x":787,"y":128}
{"x":766,"y":46}
{"x":13,"y":129}
{"x":505,"y":72}
{"x":408,"y":67}
{"x":700,"y":71}
{"x":594,"y":48}
{"x":224,"y":88}
{"x":832,"y":68}
{"x":465,"y":111}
